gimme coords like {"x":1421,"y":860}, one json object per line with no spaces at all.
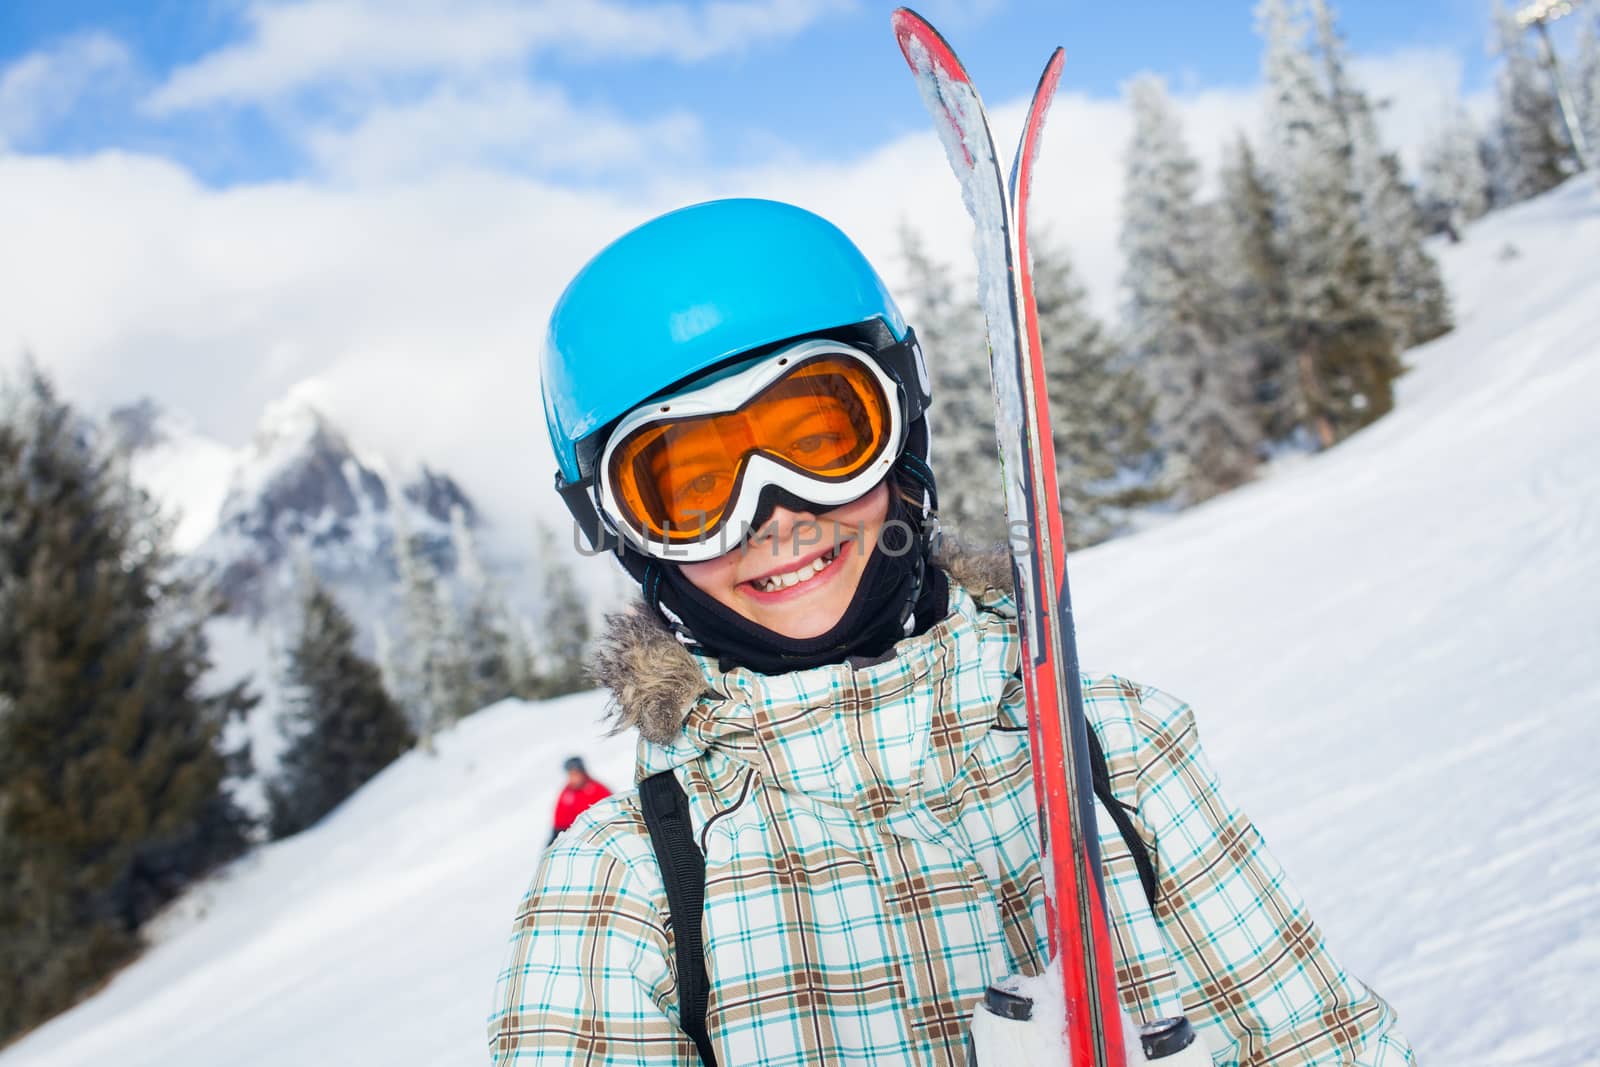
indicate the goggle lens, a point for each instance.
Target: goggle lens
{"x":828,"y":418}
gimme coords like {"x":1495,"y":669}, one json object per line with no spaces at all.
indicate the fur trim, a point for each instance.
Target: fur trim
{"x":655,"y":682}
{"x":653,"y":679}
{"x":977,"y":570}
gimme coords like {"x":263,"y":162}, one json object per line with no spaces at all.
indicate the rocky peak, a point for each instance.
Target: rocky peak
{"x":136,"y":427}
{"x":302,"y":490}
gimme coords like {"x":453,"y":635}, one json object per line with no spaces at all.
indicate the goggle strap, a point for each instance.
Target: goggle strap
{"x":905,"y":364}
{"x":579,"y":497}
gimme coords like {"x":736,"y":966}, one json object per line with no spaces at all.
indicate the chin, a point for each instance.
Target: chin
{"x":807,"y":622}
{"x":803,"y":629}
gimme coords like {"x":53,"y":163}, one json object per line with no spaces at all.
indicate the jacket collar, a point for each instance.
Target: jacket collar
{"x":655,"y":682}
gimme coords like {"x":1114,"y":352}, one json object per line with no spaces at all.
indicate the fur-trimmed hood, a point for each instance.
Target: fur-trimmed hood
{"x":654,"y":681}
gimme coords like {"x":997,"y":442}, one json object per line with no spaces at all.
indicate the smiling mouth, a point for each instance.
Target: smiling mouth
{"x":773,"y":583}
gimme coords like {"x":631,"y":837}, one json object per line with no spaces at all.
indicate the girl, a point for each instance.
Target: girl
{"x":830,"y":717}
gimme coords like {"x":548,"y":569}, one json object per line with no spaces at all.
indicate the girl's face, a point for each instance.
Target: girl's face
{"x":798,"y":573}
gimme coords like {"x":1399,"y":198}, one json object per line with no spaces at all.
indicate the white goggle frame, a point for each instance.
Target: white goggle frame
{"x":727,"y":394}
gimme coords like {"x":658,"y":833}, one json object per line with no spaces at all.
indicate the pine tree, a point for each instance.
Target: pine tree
{"x":1206,"y":430}
{"x":342,"y":726}
{"x":394,"y":676}
{"x":1586,"y":78}
{"x":1534,"y":149}
{"x":950,"y":326}
{"x":487,"y":624}
{"x":522,"y":660}
{"x":564,"y":621}
{"x":1417,"y":305}
{"x":111,"y":766}
{"x":431,"y":664}
{"x":1344,"y":351}
{"x":1252,"y":272}
{"x":1455,"y":183}
{"x":1100,"y":412}
{"x":1409,"y":287}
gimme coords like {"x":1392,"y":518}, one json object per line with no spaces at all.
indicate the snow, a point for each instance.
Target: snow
{"x":373,"y":937}
{"x":188,"y":473}
{"x":1391,"y":649}
{"x":288,"y":428}
{"x":240,"y":650}
{"x":1045,"y":1041}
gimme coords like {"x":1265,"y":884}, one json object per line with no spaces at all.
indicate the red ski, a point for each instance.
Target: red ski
{"x":1079,"y":931}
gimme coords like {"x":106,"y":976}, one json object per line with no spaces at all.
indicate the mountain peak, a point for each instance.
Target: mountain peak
{"x":294,"y":424}
{"x":138,"y":427}
{"x":303,"y":490}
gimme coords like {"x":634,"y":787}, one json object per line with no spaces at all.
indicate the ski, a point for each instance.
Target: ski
{"x":1079,"y":931}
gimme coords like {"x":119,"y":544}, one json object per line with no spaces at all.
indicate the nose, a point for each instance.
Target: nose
{"x":785,"y":529}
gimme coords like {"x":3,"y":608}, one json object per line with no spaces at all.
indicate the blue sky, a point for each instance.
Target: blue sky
{"x":829,"y":88}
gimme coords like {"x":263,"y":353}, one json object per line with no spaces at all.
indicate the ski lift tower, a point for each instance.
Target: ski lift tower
{"x":1539,"y":14}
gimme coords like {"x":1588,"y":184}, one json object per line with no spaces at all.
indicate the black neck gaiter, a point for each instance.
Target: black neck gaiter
{"x":897,"y":588}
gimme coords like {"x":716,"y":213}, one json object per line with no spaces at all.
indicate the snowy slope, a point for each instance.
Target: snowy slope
{"x":1391,"y":647}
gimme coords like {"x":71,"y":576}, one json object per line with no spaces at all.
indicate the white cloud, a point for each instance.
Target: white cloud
{"x":418,"y":85}
{"x":510,"y":124}
{"x":310,"y":42}
{"x":418,"y":303}
{"x":420,"y":307}
{"x":44,"y":85}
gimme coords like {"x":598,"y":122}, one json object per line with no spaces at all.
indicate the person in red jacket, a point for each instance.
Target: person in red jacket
{"x":580,"y":793}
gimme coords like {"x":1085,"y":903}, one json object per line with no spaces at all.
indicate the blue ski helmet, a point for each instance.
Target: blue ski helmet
{"x":689,"y":291}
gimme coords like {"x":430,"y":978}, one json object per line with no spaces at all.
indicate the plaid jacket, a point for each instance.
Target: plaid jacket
{"x":872,"y":863}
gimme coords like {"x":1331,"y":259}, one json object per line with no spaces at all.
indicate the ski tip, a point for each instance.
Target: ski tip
{"x":911,"y":27}
{"x":1050,"y":77}
{"x":1052,"y":69}
{"x":904,"y":20}
{"x":1049,"y":80}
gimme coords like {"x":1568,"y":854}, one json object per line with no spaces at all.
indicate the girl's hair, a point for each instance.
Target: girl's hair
{"x":910,"y":495}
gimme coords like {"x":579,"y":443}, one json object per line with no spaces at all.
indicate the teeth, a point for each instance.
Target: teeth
{"x":800,"y":574}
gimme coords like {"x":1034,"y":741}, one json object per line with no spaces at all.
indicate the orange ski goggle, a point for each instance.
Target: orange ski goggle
{"x":683,"y":475}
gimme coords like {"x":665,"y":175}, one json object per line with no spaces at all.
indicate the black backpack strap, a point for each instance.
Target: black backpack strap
{"x":1119,"y":814}
{"x":683,"y":872}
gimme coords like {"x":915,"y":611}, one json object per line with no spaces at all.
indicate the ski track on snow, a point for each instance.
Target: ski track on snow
{"x":1391,"y":649}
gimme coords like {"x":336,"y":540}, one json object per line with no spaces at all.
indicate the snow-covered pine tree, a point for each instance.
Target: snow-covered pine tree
{"x":1455,"y":184}
{"x":111,"y":765}
{"x":522,"y":661}
{"x":1586,"y":85}
{"x":1205,"y":428}
{"x":1535,"y":154}
{"x":429,"y":664}
{"x":1100,"y":411}
{"x":404,"y":659}
{"x":341,"y":725}
{"x":1346,"y":355}
{"x":454,"y":665}
{"x":563,"y":620}
{"x":950,"y":326}
{"x":1415,"y":306}
{"x":488,"y":627}
{"x":395,"y":678}
{"x":1252,"y":273}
